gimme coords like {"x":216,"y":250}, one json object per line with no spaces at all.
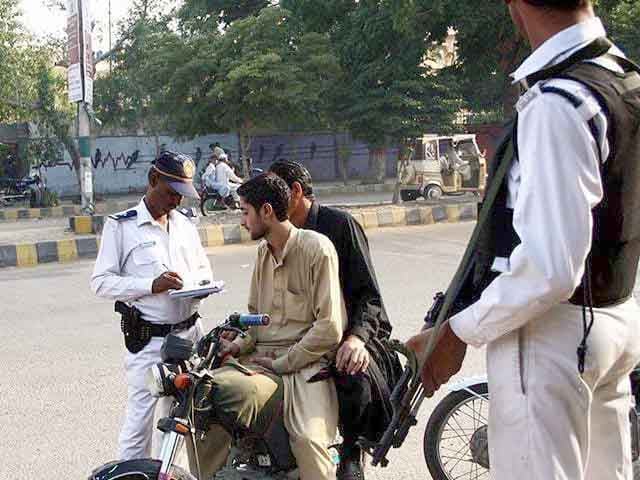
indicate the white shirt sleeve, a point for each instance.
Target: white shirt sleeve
{"x":231,"y":175}
{"x":203,"y":265}
{"x":107,"y":280}
{"x":559,"y":186}
{"x":209,"y":171}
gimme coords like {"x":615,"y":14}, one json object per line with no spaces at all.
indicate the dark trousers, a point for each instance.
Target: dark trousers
{"x":363,"y":400}
{"x":356,"y":409}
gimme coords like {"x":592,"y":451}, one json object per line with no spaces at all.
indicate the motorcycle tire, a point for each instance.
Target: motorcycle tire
{"x":142,"y":469}
{"x":434,"y":431}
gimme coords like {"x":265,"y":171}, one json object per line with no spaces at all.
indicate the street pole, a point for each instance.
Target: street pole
{"x":110,"y":54}
{"x":84,"y":129}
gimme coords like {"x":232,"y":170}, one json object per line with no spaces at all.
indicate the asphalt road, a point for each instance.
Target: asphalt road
{"x":63,"y":393}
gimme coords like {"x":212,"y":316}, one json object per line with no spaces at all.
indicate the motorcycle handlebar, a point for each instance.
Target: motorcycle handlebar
{"x":249,"y":320}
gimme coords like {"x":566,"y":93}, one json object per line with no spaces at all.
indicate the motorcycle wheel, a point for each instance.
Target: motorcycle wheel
{"x":455,"y":440}
{"x":143,"y":469}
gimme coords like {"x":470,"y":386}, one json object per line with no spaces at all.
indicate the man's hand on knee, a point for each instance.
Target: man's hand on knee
{"x":352,"y":356}
{"x":264,"y":362}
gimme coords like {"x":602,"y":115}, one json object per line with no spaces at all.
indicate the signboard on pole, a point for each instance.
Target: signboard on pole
{"x":80,"y":70}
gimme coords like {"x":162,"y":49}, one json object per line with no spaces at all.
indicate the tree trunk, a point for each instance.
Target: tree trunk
{"x":510,"y":50}
{"x":245,"y":151}
{"x":378,"y":162}
{"x":344,"y":151}
{"x":61,"y":132}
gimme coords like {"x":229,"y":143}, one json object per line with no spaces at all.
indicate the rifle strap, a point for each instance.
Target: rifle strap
{"x":505,"y":154}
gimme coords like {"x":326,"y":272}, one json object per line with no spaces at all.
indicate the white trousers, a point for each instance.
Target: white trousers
{"x":143,"y":410}
{"x":546,"y":422}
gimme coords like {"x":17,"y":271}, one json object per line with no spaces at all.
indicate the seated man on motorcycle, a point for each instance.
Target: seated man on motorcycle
{"x":295,"y":281}
{"x":226,"y":180}
{"x":366,"y":371}
{"x":209,"y":175}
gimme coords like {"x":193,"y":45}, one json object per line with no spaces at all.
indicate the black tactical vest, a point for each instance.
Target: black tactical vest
{"x":613,"y":259}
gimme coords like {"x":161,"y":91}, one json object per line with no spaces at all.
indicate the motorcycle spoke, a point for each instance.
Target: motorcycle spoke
{"x":459,"y":456}
{"x":454,"y":447}
{"x":472,"y":417}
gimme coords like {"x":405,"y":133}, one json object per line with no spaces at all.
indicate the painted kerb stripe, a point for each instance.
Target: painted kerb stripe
{"x":25,"y":255}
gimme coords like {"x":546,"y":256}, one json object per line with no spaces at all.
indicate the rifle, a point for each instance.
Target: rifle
{"x":406,"y":398}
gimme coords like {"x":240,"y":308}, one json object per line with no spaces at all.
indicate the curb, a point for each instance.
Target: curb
{"x":68,"y":250}
{"x":33,"y":213}
{"x":104,"y":208}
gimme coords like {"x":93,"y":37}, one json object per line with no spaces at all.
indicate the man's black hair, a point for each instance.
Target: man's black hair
{"x":267,"y":188}
{"x":559,"y":4}
{"x":291,"y":172}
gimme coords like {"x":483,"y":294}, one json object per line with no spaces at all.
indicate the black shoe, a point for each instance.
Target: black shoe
{"x":350,"y":469}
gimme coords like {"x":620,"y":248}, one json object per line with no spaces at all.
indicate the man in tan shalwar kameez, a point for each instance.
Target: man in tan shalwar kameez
{"x":295,"y":281}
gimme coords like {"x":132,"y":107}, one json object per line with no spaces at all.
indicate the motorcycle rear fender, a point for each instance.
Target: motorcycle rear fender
{"x":467,"y":383}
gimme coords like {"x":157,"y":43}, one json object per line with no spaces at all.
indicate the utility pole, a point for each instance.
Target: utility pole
{"x":110,"y":54}
{"x":84,"y":124}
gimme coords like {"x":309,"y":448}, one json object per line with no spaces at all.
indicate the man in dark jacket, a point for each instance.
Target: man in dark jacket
{"x":365,"y":370}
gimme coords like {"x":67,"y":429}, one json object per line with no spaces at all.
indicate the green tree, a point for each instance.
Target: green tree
{"x":132,"y":95}
{"x":482,"y":72}
{"x":208,"y":15}
{"x":386,"y":95}
{"x":31,"y":88}
{"x":621,"y":19}
{"x":261,"y":74}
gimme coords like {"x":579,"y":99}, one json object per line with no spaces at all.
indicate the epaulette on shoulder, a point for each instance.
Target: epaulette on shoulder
{"x":127,"y":215}
{"x":188,"y":212}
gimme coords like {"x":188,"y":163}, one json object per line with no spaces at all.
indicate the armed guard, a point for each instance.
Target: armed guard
{"x":550,"y":278}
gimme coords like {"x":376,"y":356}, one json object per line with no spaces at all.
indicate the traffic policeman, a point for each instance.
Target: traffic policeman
{"x":145,"y":252}
{"x":549,"y":288}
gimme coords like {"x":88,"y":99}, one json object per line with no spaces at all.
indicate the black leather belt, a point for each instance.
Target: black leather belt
{"x":162,"y":330}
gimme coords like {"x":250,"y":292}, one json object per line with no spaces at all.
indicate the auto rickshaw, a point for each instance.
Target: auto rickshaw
{"x":443,"y":165}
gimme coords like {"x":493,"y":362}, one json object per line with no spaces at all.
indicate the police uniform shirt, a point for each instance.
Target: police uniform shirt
{"x":136,"y":250}
{"x":552,"y":189}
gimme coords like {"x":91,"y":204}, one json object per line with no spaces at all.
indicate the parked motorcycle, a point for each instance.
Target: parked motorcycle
{"x":456,"y":444}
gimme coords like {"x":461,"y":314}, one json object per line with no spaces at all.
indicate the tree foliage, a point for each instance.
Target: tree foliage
{"x":32,"y":89}
{"x":621,"y":19}
{"x":133,"y":95}
{"x":208,"y":15}
{"x":355,"y":65}
{"x":262,"y":74}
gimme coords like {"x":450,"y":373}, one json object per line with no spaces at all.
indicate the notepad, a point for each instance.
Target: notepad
{"x":213,"y":287}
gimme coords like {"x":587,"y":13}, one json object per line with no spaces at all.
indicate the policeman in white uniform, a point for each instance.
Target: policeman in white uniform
{"x":554,"y":305}
{"x":144,"y":253}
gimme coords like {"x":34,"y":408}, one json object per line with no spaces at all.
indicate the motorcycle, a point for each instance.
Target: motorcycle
{"x":184,"y":367}
{"x":211,"y":201}
{"x":456,"y":443}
